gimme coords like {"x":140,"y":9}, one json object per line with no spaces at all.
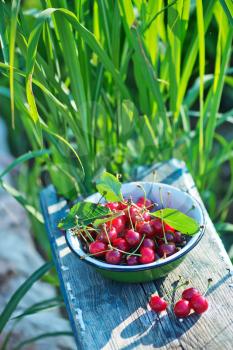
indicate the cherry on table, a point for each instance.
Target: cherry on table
{"x":182,"y":308}
{"x":189,"y":293}
{"x":157,"y":303}
{"x":113,"y":257}
{"x":97,"y":248}
{"x":199,"y":304}
{"x":133,"y":237}
{"x":147,"y":255}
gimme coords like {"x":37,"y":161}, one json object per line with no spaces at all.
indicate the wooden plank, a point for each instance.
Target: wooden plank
{"x":108,"y":315}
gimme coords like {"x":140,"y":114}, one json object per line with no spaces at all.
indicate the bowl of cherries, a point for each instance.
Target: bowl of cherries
{"x":134,"y":232}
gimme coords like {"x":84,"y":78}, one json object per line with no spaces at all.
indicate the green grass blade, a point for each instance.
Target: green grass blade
{"x":217,"y":93}
{"x":13,"y":25}
{"x":201,"y":44}
{"x":18,"y":196}
{"x":3,"y":34}
{"x":20,"y":292}
{"x":227,"y":6}
{"x":24,"y":158}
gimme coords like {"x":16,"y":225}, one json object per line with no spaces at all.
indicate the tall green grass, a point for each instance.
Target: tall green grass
{"x":98,"y":84}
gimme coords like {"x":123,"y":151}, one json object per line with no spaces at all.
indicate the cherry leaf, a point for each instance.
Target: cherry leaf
{"x":83,"y":213}
{"x":178,"y":220}
{"x":109,"y":187}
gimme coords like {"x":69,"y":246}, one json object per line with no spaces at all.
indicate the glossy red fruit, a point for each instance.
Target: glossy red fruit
{"x":123,"y":205}
{"x":113,"y":205}
{"x":157,"y":225}
{"x":146,"y":216}
{"x":112,"y":234}
{"x":133,"y":237}
{"x":144,"y":202}
{"x":134,"y":214}
{"x":148,"y":243}
{"x":121,"y":244}
{"x":170,"y":236}
{"x":119,"y":223}
{"x":147,"y":255}
{"x":182,"y":308}
{"x":157,"y":303}
{"x":144,"y":227}
{"x":165,"y":250}
{"x":113,"y":257}
{"x":178,"y":238}
{"x":189,"y":293}
{"x":98,"y":248}
{"x":199,"y":304}
{"x":132,"y":260}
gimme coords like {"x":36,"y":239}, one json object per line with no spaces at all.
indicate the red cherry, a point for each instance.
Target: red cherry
{"x":123,"y":205}
{"x":146,"y":216}
{"x":182,"y":308}
{"x":178,"y":238}
{"x":170,"y":236}
{"x":148,"y":243}
{"x":112,"y":206}
{"x":97,"y":248}
{"x":121,"y":244}
{"x":165,"y":250}
{"x":147,"y":255}
{"x":144,"y":202}
{"x":189,"y":293}
{"x":118,"y":223}
{"x":157,"y":303}
{"x":134,"y":214}
{"x":144,"y":227}
{"x":199,"y":304}
{"x":113,"y":257}
{"x":157,"y":225}
{"x":132,"y":260}
{"x":112,"y":234}
{"x":133,"y":237}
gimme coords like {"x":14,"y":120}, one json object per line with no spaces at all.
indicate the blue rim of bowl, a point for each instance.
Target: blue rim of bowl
{"x":156,"y":264}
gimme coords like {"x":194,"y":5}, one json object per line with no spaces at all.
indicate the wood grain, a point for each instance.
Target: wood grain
{"x":109,"y":315}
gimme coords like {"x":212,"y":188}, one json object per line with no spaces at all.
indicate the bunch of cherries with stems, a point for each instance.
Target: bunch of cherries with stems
{"x":191,"y":299}
{"x":133,"y":236}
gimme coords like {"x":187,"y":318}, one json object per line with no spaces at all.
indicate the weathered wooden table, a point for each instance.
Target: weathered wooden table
{"x":110,"y":315}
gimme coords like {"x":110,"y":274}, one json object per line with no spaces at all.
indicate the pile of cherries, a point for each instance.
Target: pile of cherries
{"x":192,"y":299}
{"x":134,"y":237}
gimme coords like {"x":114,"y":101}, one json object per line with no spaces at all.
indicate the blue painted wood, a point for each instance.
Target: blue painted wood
{"x":109,"y":315}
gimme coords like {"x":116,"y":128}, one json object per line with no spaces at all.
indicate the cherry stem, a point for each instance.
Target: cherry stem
{"x":127,"y":253}
{"x":102,"y":251}
{"x":88,"y":234}
{"x":192,"y":207}
{"x":139,"y":245}
{"x":144,"y":193}
{"x":109,"y":242}
{"x":161,"y":199}
{"x":131,"y":223}
{"x":177,"y":287}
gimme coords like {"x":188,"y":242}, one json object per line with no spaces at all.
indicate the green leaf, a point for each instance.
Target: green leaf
{"x":98,"y":222}
{"x":109,"y":187}
{"x":20,"y":292}
{"x":83,"y":213}
{"x":178,"y":220}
